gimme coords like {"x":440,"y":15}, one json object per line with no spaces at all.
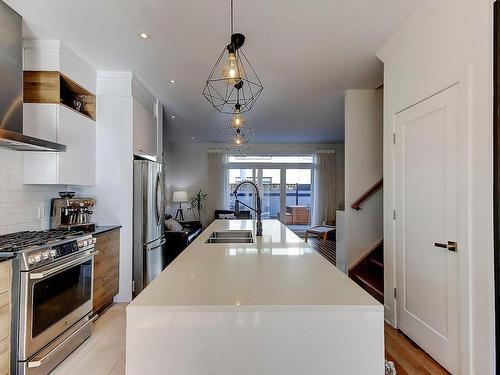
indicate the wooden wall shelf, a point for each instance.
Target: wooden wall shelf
{"x":55,"y":87}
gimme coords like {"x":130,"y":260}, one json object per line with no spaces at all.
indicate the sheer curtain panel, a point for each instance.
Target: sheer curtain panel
{"x":217,"y":182}
{"x":325,"y":202}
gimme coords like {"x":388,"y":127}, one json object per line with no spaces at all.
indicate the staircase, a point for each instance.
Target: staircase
{"x":368,"y":273}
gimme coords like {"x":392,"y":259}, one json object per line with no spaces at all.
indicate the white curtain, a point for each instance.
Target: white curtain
{"x":325,"y":201}
{"x":217,"y":182}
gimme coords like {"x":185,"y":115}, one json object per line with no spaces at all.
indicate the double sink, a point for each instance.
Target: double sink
{"x":231,"y":236}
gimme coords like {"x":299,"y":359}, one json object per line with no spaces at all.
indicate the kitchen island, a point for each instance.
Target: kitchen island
{"x":274,"y":306}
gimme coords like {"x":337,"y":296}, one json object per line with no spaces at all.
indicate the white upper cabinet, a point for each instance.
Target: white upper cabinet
{"x":59,"y":124}
{"x":145,"y":119}
{"x":54,"y":76}
{"x":78,"y":133}
{"x":145,"y":130}
{"x":54,"y":56}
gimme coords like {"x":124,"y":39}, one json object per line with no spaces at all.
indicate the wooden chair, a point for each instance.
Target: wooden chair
{"x":321,"y":230}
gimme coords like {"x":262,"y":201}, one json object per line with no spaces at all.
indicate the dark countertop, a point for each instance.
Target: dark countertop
{"x":100,"y":229}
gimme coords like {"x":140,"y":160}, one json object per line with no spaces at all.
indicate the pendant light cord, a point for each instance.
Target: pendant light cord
{"x":232,"y":17}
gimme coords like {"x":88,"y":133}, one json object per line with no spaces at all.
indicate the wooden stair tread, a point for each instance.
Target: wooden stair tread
{"x":368,"y":273}
{"x":377,"y":262}
{"x":378,"y":253}
{"x":368,"y":284}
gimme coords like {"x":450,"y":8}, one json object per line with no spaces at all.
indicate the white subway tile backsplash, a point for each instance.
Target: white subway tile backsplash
{"x":15,"y":160}
{"x":21,"y":205}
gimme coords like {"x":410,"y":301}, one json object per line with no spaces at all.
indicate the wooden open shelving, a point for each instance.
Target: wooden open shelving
{"x":55,"y":87}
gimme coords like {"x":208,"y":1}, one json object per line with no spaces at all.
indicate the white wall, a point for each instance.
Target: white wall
{"x":187,"y":165}
{"x":363,"y":168}
{"x":22,"y":207}
{"x":123,"y":103}
{"x":446,"y":42}
{"x":114,"y":167}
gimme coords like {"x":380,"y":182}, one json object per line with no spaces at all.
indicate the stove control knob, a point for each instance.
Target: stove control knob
{"x":94,"y":240}
{"x":53,"y":253}
{"x":46,"y":254}
{"x":31,"y":260}
{"x":85,"y":243}
{"x":37,"y":258}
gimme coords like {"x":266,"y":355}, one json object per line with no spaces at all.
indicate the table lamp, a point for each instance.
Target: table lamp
{"x":180,"y":197}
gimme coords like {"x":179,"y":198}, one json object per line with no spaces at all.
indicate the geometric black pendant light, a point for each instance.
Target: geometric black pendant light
{"x":238,"y":140}
{"x":233,"y":84}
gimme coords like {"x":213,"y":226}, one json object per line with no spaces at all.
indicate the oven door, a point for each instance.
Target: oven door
{"x":53,"y":298}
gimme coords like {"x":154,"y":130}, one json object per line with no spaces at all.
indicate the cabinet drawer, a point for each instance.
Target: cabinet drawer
{"x":105,"y":264}
{"x":107,"y":259}
{"x":4,"y":276}
{"x":104,"y":239}
{"x":109,"y":248}
{"x":5,"y":356}
{"x":4,"y":315}
{"x":105,"y":289}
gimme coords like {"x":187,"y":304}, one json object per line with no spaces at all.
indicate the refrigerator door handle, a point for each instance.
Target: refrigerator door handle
{"x":157,"y":209}
{"x":162,"y":242}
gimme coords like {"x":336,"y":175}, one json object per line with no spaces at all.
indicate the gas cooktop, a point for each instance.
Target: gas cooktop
{"x":15,"y":242}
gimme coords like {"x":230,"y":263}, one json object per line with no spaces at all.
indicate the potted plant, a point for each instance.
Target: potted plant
{"x":198,"y":203}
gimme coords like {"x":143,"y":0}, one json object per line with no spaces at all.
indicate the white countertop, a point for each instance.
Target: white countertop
{"x":278,"y":271}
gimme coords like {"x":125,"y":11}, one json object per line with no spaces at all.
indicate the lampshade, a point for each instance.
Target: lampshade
{"x":180,"y":196}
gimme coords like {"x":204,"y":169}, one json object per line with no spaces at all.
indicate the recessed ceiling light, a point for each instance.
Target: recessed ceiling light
{"x":172,"y":81}
{"x":172,"y":117}
{"x":144,"y":35}
{"x":192,"y":137}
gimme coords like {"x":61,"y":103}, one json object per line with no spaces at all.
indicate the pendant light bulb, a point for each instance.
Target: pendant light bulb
{"x":232,"y":71}
{"x":239,"y":139}
{"x":237,"y":120}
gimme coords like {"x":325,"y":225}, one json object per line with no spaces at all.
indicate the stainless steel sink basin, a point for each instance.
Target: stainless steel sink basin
{"x":229,"y":240}
{"x":231,"y":236}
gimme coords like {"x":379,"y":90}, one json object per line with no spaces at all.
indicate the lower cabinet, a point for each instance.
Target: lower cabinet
{"x":5,"y":306}
{"x":106,"y":269}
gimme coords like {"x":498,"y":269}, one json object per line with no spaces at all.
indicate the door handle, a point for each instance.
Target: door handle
{"x":37,"y":362}
{"x":44,"y":274}
{"x":450,"y":246}
{"x":162,"y":242}
{"x":157,"y":209}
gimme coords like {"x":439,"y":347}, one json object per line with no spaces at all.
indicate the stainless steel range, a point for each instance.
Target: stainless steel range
{"x":51,"y":296}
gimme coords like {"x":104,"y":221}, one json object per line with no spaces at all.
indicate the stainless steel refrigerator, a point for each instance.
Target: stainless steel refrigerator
{"x":149,"y":217}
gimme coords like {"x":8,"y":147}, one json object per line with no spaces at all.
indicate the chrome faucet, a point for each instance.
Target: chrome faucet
{"x":237,"y":203}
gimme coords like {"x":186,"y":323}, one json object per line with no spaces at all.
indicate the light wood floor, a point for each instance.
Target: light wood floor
{"x":104,"y":352}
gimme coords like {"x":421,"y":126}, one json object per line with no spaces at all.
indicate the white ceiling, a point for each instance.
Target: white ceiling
{"x":306,"y":53}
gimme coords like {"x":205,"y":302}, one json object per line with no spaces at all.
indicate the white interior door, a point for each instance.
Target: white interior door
{"x":427,"y":218}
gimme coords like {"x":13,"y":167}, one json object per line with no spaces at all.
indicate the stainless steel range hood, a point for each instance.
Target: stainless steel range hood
{"x":11,"y":87}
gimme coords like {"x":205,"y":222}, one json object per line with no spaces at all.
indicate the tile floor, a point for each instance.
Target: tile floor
{"x":104,"y":352}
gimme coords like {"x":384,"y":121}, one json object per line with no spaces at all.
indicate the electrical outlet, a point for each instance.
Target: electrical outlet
{"x":41,"y":212}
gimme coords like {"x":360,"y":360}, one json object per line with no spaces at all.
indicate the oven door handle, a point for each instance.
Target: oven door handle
{"x":44,"y":274}
{"x":38,"y":362}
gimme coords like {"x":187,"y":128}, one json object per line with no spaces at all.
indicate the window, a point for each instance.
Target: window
{"x":285,"y":184}
{"x":304,"y":159}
